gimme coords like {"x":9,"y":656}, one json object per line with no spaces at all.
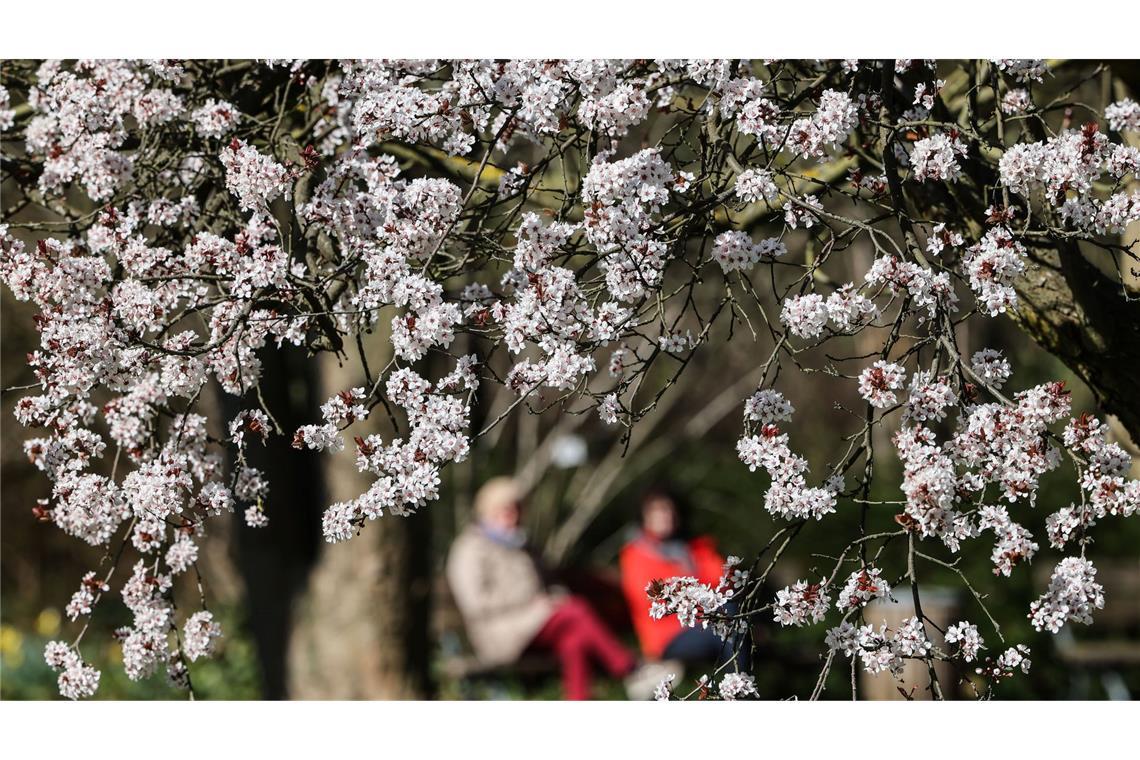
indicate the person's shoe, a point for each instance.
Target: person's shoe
{"x":642,"y":682}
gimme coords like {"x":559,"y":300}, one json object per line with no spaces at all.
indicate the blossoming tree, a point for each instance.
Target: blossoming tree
{"x":581,"y":229}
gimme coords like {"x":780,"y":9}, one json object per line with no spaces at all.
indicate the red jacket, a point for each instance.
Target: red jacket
{"x":641,"y":562}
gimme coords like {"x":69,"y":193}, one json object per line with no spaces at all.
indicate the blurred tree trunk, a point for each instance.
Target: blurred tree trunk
{"x":275,"y":561}
{"x":361,"y":627}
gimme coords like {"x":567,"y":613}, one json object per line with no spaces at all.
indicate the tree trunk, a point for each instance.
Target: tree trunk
{"x":1088,"y":319}
{"x":1082,"y":316}
{"x":361,"y":627}
{"x":275,"y":561}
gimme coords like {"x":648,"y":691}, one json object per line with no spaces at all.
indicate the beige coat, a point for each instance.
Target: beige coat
{"x":500,"y":593}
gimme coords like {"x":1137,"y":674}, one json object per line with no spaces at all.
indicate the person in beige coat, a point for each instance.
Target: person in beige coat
{"x":507,"y":606}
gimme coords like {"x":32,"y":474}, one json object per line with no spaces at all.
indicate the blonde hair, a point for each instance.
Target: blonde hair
{"x":495,"y":493}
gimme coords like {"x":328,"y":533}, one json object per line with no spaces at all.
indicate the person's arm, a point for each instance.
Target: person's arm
{"x":468,"y":585}
{"x":633,"y":580}
{"x":478,"y":594}
{"x":709,"y":562}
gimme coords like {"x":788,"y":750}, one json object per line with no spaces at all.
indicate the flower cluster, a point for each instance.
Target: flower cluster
{"x":1012,"y":659}
{"x":737,"y":686}
{"x":256,"y":179}
{"x":622,"y":199}
{"x":936,"y":158}
{"x":880,"y":650}
{"x":928,"y":289}
{"x":407,"y":471}
{"x":1023,"y":69}
{"x":83,"y":600}
{"x":992,"y":266}
{"x":990,"y":367}
{"x":77,"y":680}
{"x":862,"y":586}
{"x":789,"y":496}
{"x":965,"y":636}
{"x":941,"y":238}
{"x":664,"y":690}
{"x":1066,"y":169}
{"x":755,"y":185}
{"x":878,"y":383}
{"x":1072,"y":596}
{"x":686,"y":597}
{"x":827,"y":128}
{"x":339,"y":412}
{"x":801,"y":603}
{"x":199,"y":635}
{"x":805,"y":316}
{"x":735,"y":250}
{"x":215,"y":118}
{"x":694,"y":602}
{"x":1123,"y":115}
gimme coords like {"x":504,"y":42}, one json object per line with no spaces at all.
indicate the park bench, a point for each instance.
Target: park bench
{"x":457,"y":661}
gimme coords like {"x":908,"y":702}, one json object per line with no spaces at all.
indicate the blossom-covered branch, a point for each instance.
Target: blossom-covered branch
{"x":586,"y":228}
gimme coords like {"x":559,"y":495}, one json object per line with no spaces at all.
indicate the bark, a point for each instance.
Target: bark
{"x":1084,"y":318}
{"x":361,"y":627}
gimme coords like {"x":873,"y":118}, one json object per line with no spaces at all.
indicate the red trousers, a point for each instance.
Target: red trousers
{"x":576,"y":635}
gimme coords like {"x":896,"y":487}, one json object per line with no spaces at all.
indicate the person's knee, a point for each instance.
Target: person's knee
{"x":574,"y":644}
{"x":576,"y":606}
{"x":580,"y":616}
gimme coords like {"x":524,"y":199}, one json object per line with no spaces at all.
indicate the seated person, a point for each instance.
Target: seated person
{"x":508,"y":608}
{"x":661,"y":550}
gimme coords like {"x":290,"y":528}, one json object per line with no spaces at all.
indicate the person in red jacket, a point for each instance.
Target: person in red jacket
{"x":660,"y":550}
